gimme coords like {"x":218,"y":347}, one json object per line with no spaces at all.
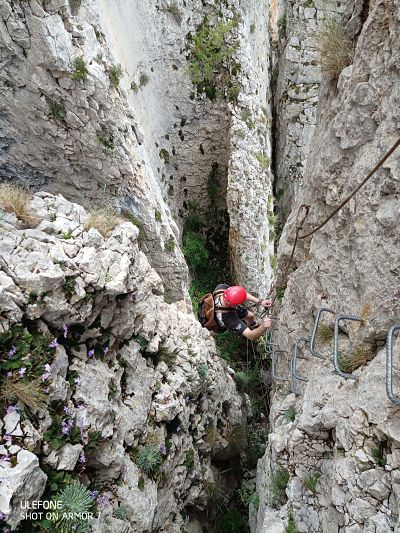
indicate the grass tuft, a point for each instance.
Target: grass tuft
{"x":279,"y":480}
{"x":104,"y":219}
{"x":27,"y":393}
{"x":15,"y":199}
{"x":311,"y":482}
{"x":335,"y":48}
{"x":325,"y":333}
{"x":359,"y":357}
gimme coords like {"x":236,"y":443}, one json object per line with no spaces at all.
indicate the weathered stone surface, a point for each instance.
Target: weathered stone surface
{"x":24,"y":482}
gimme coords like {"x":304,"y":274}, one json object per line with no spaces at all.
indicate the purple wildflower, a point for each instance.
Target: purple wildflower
{"x":6,"y":530}
{"x":12,"y":352}
{"x":90,"y":353}
{"x":106,"y":349}
{"x":9,"y":374}
{"x":82,"y":458}
{"x":163,"y":449}
{"x":22,"y":371}
{"x":5,"y":457}
{"x":102,"y":501}
{"x":94,"y":494}
{"x":77,"y":381}
{"x":178,"y":429}
{"x":80,"y":423}
{"x":8,"y":439}
{"x":66,"y":426}
{"x":47,"y":372}
{"x":65,"y":328}
{"x":53,"y":344}
{"x":46,"y":390}
{"x":12,"y":409}
{"x":165,"y":467}
{"x":67,"y":411}
{"x":2,"y":516}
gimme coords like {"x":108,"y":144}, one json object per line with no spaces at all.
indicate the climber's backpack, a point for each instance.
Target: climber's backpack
{"x":206,"y":310}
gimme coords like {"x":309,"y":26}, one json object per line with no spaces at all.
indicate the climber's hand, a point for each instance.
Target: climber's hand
{"x":266,"y":303}
{"x":266,"y":323}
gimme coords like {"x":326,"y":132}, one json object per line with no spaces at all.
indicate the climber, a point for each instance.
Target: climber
{"x":222,"y":310}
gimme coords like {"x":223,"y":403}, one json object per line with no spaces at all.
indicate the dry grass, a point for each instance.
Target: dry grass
{"x":335,"y":48}
{"x":104,"y":219}
{"x":28,"y":393}
{"x":324,"y":333}
{"x":359,"y":357}
{"x":15,"y":199}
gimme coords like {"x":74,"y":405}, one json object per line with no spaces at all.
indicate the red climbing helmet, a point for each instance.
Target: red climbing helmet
{"x":235,"y":295}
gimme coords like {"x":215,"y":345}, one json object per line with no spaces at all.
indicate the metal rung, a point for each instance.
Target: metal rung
{"x":389,"y":365}
{"x":338,"y":370}
{"x":314,"y":333}
{"x":273,"y":359}
{"x":269,"y":345}
{"x":293,"y":365}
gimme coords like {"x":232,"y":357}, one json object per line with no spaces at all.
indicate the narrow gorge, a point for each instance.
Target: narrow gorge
{"x":149,"y":151}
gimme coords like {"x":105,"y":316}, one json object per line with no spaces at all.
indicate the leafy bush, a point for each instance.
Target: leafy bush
{"x":231,"y":521}
{"x":122,"y":513}
{"x":335,"y":48}
{"x":80,"y":71}
{"x":15,"y":199}
{"x":106,"y":138}
{"x":248,"y":496}
{"x":115,"y":74}
{"x":256,"y":443}
{"x":290,"y":413}
{"x":210,"y":58}
{"x":189,"y":459}
{"x":279,"y":480}
{"x":149,"y":459}
{"x":195,"y":251}
{"x":379,"y":456}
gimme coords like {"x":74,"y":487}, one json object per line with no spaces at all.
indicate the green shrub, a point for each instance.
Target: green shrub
{"x":149,"y":459}
{"x":264,"y":161}
{"x":142,"y":232}
{"x":80,"y":71}
{"x":57,"y":109}
{"x":291,"y":525}
{"x":106,"y":138}
{"x":189,"y":459}
{"x":195,"y":251}
{"x":164,"y":154}
{"x":279,"y":480}
{"x":170,"y":244}
{"x":115,"y":73}
{"x":290,"y":413}
{"x":202,"y":370}
{"x":335,"y":48}
{"x":379,"y":456}
{"x":311,"y":482}
{"x":280,"y":292}
{"x":256,"y":443}
{"x":69,"y":286}
{"x":231,"y":521}
{"x":210,"y":58}
{"x":248,"y":496}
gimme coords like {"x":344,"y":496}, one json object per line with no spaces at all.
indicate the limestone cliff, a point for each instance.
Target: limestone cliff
{"x":117,"y":373}
{"x":338,"y":441}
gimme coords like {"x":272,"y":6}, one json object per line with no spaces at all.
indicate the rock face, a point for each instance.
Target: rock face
{"x":128,"y":127}
{"x":338,"y":440}
{"x":127,"y":371}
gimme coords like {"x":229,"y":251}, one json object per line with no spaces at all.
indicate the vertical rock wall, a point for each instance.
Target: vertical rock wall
{"x":338,"y":439}
{"x":77,"y":137}
{"x":296,"y":98}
